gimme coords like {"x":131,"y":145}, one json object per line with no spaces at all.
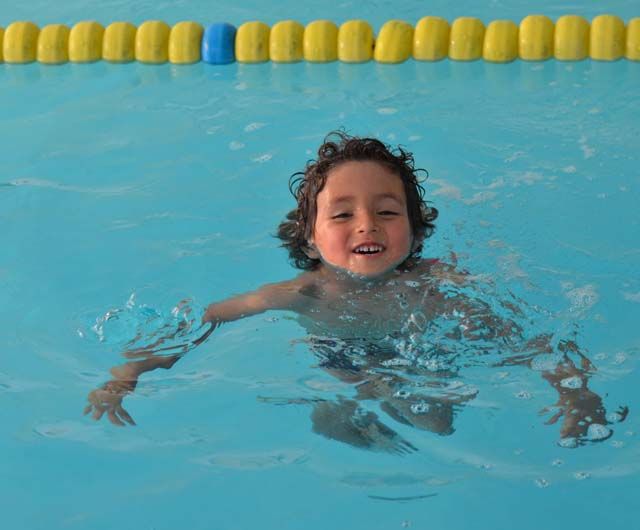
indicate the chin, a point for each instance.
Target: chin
{"x":372,"y":275}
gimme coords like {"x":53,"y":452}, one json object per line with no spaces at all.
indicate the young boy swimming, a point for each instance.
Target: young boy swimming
{"x":357,"y":233}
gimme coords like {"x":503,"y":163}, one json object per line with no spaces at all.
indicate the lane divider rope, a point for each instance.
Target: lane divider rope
{"x":536,"y":38}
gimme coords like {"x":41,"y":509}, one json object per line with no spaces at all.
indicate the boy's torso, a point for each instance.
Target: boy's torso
{"x":396,"y":306}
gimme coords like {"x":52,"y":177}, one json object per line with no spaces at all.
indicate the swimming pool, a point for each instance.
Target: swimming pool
{"x":127,"y":188}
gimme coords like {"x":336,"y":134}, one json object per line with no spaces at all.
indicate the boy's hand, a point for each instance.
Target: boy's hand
{"x":579,"y":409}
{"x":578,"y":406}
{"x":108,"y":398}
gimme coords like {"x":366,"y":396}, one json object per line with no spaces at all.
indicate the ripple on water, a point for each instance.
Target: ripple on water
{"x":261,"y":460}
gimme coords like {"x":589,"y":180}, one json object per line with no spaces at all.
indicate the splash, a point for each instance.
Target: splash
{"x":135,"y":326}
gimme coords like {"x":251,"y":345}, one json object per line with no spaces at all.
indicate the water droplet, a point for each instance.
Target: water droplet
{"x":405,"y":524}
{"x":571,"y":382}
{"x":568,"y":443}
{"x":581,"y":475}
{"x":614,"y":417}
{"x":597,"y":432}
{"x":523,"y":394}
{"x":617,"y":444}
{"x":402,"y":394}
{"x":545,"y":362}
{"x":542,"y":483}
{"x":420,"y":408}
{"x":557,"y":462}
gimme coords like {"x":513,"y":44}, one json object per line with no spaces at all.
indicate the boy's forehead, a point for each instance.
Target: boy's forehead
{"x":376,"y":196}
{"x":355,"y":179}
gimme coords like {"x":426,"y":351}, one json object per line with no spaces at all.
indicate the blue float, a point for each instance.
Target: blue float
{"x":218,"y":44}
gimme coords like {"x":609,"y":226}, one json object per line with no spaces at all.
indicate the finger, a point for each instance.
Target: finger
{"x":125,"y":415}
{"x":92,"y":396}
{"x":114,"y":419}
{"x":99,"y":397}
{"x":554,"y":418}
{"x":98,"y":411}
{"x":87,"y":409}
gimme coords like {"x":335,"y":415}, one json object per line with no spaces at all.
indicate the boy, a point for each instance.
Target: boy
{"x":357,"y":233}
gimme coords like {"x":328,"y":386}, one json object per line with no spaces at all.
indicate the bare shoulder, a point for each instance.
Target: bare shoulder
{"x":442,"y":270}
{"x":290,"y":294}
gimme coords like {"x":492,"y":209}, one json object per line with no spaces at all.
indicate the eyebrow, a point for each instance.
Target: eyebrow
{"x":347,"y":198}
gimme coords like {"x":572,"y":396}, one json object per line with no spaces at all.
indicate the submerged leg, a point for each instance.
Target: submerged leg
{"x":346,"y":422}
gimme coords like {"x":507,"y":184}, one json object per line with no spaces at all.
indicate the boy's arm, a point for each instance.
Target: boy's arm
{"x":108,"y":398}
{"x":579,"y":406}
{"x":283,"y":295}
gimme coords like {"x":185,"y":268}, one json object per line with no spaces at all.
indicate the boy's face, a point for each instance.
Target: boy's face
{"x":362,"y":223}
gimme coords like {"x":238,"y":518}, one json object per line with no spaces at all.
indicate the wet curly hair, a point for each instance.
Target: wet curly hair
{"x":339,"y":147}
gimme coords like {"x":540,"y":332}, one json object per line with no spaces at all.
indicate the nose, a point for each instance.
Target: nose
{"x":367,"y":223}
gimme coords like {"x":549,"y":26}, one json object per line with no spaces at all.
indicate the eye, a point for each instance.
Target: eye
{"x":387,"y":213}
{"x":342,"y":215}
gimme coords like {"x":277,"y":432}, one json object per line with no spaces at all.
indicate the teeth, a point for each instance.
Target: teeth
{"x":368,"y":249}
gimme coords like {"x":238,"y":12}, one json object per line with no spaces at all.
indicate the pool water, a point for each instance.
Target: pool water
{"x":125,"y":189}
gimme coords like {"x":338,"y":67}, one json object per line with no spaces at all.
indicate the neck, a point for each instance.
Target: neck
{"x":351,"y":280}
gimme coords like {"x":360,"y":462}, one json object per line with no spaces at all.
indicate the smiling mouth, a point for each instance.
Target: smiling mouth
{"x":368,"y":249}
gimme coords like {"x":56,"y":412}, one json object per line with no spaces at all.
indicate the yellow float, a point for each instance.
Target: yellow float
{"x":571,"y":41}
{"x":536,"y":38}
{"x":633,"y":40}
{"x":85,"y":42}
{"x":466,"y":39}
{"x":355,"y":42}
{"x":607,"y":41}
{"x":500,"y":42}
{"x":320,"y":42}
{"x":394,"y":43}
{"x":185,"y":43}
{"x":152,"y":42}
{"x":286,"y":42}
{"x":20,"y":43}
{"x":119,"y":43}
{"x":252,"y":42}
{"x":53,"y":44}
{"x":431,"y":39}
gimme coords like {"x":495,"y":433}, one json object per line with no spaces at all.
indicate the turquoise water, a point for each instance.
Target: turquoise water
{"x":127,"y":188}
